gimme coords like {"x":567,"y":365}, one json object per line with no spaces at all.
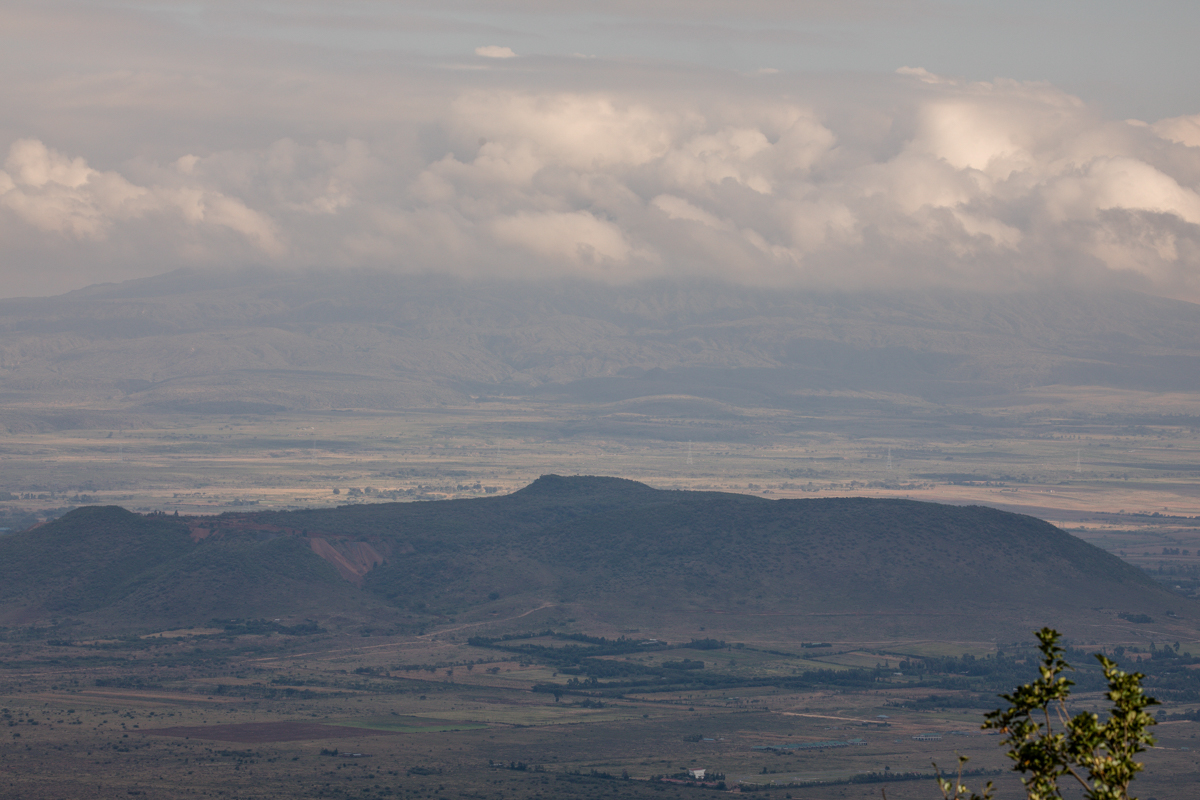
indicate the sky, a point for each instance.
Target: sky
{"x":851,"y":144}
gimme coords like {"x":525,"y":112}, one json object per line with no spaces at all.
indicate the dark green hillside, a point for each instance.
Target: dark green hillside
{"x":84,"y":560}
{"x":620,"y":551}
{"x":240,"y":577}
{"x":116,"y":567}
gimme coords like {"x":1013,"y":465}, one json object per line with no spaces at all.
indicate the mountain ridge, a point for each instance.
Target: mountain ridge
{"x":365,"y":340}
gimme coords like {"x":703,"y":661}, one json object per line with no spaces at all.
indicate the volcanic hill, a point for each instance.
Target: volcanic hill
{"x":605,"y":551}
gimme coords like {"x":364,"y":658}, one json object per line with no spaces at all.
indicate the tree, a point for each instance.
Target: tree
{"x":1099,"y":756}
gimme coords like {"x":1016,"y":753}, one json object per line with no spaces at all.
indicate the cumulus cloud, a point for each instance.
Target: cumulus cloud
{"x":925,"y":179}
{"x":495,"y":51}
{"x":1184,"y":130}
{"x":54,"y":193}
{"x":573,"y":238}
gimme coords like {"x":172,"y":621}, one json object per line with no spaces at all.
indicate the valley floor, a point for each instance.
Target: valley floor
{"x":210,"y":713}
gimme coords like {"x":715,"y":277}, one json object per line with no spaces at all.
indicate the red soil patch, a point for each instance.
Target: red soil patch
{"x":352,"y":560}
{"x":256,"y":732}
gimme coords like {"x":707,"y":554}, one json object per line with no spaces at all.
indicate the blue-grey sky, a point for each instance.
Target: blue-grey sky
{"x":1133,"y":59}
{"x":834,"y":143}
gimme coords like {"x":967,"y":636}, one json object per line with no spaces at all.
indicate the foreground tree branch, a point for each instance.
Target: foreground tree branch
{"x":1098,"y":756}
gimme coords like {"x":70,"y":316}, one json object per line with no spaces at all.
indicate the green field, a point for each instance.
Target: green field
{"x":410,"y":724}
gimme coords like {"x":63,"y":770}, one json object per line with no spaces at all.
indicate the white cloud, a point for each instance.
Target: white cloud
{"x":573,"y":238}
{"x":581,"y":131}
{"x":1184,"y":130}
{"x":57,"y":194}
{"x":679,"y":208}
{"x":767,"y":180}
{"x":1119,"y":182}
{"x":495,"y":51}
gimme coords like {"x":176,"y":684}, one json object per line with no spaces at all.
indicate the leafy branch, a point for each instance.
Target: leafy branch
{"x":1048,"y":744}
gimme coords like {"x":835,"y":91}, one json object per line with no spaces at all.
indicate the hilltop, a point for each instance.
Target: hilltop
{"x":612,"y":552}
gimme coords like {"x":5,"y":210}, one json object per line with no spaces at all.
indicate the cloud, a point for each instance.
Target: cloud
{"x":495,"y":51}
{"x":56,"y":194}
{"x":572,"y":238}
{"x":678,"y":208}
{"x":582,"y":132}
{"x":1184,"y":130}
{"x":619,"y":174}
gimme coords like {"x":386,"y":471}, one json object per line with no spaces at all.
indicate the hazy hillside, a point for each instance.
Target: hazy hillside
{"x":611,"y":551}
{"x":250,"y":342}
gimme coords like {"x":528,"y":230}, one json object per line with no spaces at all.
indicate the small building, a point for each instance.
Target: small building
{"x":697,"y":774}
{"x":928,"y":737}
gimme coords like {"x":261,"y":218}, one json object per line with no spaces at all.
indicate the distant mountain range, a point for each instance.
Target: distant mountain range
{"x":609,"y":552}
{"x":255,"y":342}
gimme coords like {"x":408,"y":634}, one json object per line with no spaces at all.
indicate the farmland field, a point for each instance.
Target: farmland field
{"x":334,"y":715}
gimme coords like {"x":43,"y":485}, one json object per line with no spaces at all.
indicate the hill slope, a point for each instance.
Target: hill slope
{"x":115,"y":567}
{"x":613,"y":552}
{"x":88,"y":559}
{"x":620,"y":551}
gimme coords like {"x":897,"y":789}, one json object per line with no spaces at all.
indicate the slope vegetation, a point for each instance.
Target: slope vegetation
{"x":623,"y":552}
{"x":88,"y":559}
{"x":115,"y":567}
